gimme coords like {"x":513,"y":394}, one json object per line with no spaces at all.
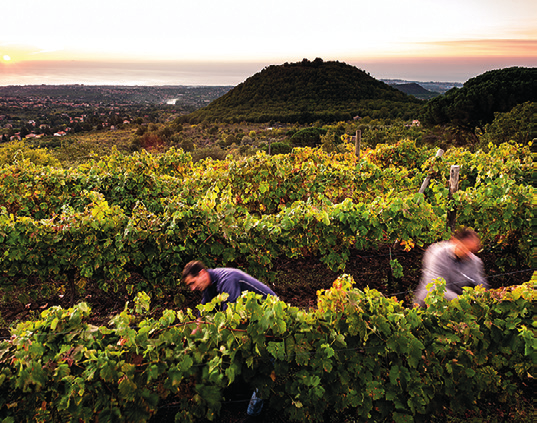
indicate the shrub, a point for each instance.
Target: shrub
{"x":18,"y":151}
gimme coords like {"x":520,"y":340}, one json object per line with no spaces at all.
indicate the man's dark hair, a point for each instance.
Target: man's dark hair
{"x":193,"y":268}
{"x":465,"y":233}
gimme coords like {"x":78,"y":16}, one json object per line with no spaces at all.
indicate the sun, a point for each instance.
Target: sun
{"x":6,"y":58}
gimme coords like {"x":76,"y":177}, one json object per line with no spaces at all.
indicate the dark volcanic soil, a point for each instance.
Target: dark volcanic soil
{"x":296,"y":282}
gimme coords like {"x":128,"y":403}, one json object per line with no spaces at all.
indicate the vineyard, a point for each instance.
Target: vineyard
{"x":129,"y":224}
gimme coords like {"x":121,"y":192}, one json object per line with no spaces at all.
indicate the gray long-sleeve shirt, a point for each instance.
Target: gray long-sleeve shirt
{"x":439,"y":261}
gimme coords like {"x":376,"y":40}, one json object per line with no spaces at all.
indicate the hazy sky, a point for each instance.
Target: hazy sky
{"x":219,"y":42}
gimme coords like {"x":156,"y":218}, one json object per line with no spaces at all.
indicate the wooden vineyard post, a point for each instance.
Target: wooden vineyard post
{"x":453,"y":188}
{"x":357,"y":142}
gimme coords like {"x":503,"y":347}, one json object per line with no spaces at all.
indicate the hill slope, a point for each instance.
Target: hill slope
{"x":479,"y":98}
{"x":416,"y":90}
{"x":308,"y":91}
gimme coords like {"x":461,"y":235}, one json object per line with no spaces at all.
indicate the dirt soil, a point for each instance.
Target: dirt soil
{"x":297,"y":283}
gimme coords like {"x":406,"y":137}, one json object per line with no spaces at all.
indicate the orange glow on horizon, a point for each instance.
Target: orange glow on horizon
{"x":486,"y":48}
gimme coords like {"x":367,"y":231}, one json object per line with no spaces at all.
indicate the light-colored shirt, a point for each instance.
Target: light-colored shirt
{"x":439,"y":261}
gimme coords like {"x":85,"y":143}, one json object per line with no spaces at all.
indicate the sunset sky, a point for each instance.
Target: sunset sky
{"x":219,"y":42}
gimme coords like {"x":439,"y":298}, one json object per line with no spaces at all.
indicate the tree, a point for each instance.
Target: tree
{"x":475,"y":103}
{"x":230,"y":139}
{"x":309,"y":137}
{"x":24,"y":131}
{"x":516,"y":125}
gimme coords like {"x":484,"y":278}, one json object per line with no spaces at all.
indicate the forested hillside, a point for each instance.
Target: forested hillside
{"x":416,"y":90}
{"x":475,"y":103}
{"x":306,"y":92}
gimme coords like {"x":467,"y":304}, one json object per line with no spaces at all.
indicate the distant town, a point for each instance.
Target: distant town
{"x":35,"y":111}
{"x":434,"y":86}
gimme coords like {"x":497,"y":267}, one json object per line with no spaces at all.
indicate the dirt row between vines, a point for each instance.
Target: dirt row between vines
{"x":296,"y":282}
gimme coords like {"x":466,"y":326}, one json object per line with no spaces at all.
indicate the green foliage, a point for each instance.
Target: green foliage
{"x":401,"y":154}
{"x":416,"y":90}
{"x":307,"y":92}
{"x":308,"y":137}
{"x":19,"y":151}
{"x":213,"y":152}
{"x":397,"y":269}
{"x":475,"y":103}
{"x":73,"y":150}
{"x":359,"y":353}
{"x":279,"y":148}
{"x":375,"y":133}
{"x":518,"y":125}
{"x":154,"y":213}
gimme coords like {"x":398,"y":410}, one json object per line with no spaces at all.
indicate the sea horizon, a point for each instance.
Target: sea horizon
{"x":225,"y":73}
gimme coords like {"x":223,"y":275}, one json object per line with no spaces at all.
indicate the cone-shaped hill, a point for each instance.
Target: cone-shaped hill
{"x":308,"y":91}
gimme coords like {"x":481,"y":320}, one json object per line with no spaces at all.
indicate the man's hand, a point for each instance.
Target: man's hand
{"x":198,"y":326}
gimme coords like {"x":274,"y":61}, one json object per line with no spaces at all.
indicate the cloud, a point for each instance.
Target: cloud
{"x":484,"y":47}
{"x":46,"y":50}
